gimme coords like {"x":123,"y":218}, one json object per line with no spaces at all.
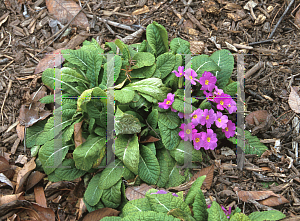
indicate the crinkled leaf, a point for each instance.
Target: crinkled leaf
{"x":86,"y":154}
{"x":152,"y":118}
{"x":266,"y":215}
{"x":111,"y":174}
{"x":143,"y":59}
{"x":93,"y":193}
{"x":149,"y":216}
{"x":137,"y":205}
{"x":169,"y":119}
{"x":231,"y":89}
{"x":164,"y":159}
{"x":148,"y":169}
{"x":127,"y":150}
{"x":224,"y":59}
{"x":33,"y":132}
{"x":124,"y":95}
{"x":112,"y":197}
{"x":165,"y":64}
{"x":178,"y":45}
{"x":241,"y":217}
{"x":190,"y":197}
{"x":200,"y":207}
{"x":68,"y":171}
{"x":215,"y":213}
{"x":157,"y":38}
{"x":178,"y":213}
{"x":203,"y":63}
{"x":170,"y":137}
{"x":188,"y":150}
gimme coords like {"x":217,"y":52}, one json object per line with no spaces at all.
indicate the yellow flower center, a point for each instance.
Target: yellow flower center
{"x":219,"y":120}
{"x":197,"y":140}
{"x":180,"y":74}
{"x":188,"y":131}
{"x":226,"y":128}
{"x":206,"y":82}
{"x":195,"y":116}
{"x":191,"y":77}
{"x":208,"y":139}
{"x":221,"y":102}
{"x":207,"y":117}
{"x":229,"y":105}
{"x":168,"y":102}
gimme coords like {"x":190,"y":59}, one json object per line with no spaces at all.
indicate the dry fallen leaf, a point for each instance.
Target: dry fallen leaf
{"x":143,"y":10}
{"x":49,"y":61}
{"x":65,"y":10}
{"x":100,"y":213}
{"x":294,"y":100}
{"x":34,"y":178}
{"x":40,"y":196}
{"x":260,"y":115}
{"x":9,"y":198}
{"x":149,"y":139}
{"x":24,"y":173}
{"x":20,"y":131}
{"x":297,"y":18}
{"x":209,"y":172}
{"x":267,"y":198}
{"x":4,"y":179}
{"x":137,"y":192}
{"x":78,"y":134}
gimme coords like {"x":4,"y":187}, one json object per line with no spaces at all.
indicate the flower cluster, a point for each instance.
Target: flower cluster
{"x":206,"y":139}
{"x":164,"y":192}
{"x":227,"y":212}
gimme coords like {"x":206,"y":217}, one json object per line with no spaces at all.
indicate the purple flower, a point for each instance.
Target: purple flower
{"x":180,"y":72}
{"x":207,"y":81}
{"x":172,"y":109}
{"x":208,"y":94}
{"x":208,"y":117}
{"x":198,"y":140}
{"x":164,"y":192}
{"x":191,"y":75}
{"x":222,"y":101}
{"x":218,"y":91}
{"x":231,"y":107}
{"x":229,"y":130}
{"x":187,"y":131}
{"x":180,"y":114}
{"x":227,"y":213}
{"x":167,"y":102}
{"x":196,"y":116}
{"x":221,"y":120}
{"x":210,"y":140}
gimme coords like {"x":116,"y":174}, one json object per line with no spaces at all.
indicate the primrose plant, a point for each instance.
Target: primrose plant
{"x":204,"y":137}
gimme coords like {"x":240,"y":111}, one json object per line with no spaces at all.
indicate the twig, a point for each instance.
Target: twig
{"x":5,"y":96}
{"x":263,"y":41}
{"x":109,"y":29}
{"x":115,"y":24}
{"x":280,"y":19}
{"x":260,"y":205}
{"x":187,"y":5}
{"x":254,"y":69}
{"x":194,"y":20}
{"x":57,"y":34}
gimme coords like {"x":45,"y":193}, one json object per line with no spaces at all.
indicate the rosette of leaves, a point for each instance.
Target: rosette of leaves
{"x":87,"y":79}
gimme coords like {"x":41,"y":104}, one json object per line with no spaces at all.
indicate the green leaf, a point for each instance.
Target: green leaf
{"x":71,"y":75}
{"x":114,"y":64}
{"x":90,"y":208}
{"x":164,"y":160}
{"x":86,"y":154}
{"x":240,"y":217}
{"x":205,"y":105}
{"x":175,"y":178}
{"x":200,"y":207}
{"x":186,"y":148}
{"x":231,"y":89}
{"x":33,"y":132}
{"x":68,"y":133}
{"x":165,"y":64}
{"x":144,"y":72}
{"x":112,"y":46}
{"x":125,"y":95}
{"x":169,"y":119}
{"x":178,"y":213}
{"x":137,"y":205}
{"x":126,"y":123}
{"x":143,"y":59}
{"x":51,"y":155}
{"x":164,"y":203}
{"x":157,"y":38}
{"x":179,"y":105}
{"x":48,"y":78}
{"x":94,"y":60}
{"x":148,"y":169}
{"x":149,"y":216}
{"x":224,"y":59}
{"x":266,"y":215}
{"x":112,"y":197}
{"x":152,"y":118}
{"x":194,"y":189}
{"x":127,"y":150}
{"x":215,"y":213}
{"x":178,"y":45}
{"x":93,"y":193}
{"x":76,"y":57}
{"x":123,"y":48}
{"x":47,"y":99}
{"x":68,"y":171}
{"x":100,"y":131}
{"x":253,"y":144}
{"x":203,"y":63}
{"x":111,"y":174}
{"x":170,"y":137}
